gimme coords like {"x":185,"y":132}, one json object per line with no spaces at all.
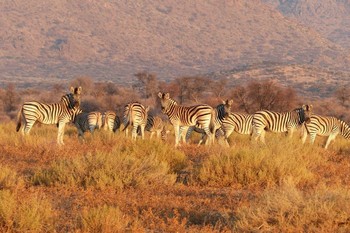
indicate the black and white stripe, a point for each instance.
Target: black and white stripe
{"x":325,"y":126}
{"x":87,"y":122}
{"x":57,"y":113}
{"x":135,"y":114}
{"x":279,"y":122}
{"x":239,"y":122}
{"x":110,"y":121}
{"x":180,"y":116}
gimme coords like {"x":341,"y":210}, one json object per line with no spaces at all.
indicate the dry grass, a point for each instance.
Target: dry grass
{"x":112,"y":184}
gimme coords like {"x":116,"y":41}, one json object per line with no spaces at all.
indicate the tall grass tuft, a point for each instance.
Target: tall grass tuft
{"x":287,"y":209}
{"x":260,"y":165}
{"x":103,"y":219}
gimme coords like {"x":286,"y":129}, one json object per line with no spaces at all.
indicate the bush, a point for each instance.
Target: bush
{"x":31,"y":214}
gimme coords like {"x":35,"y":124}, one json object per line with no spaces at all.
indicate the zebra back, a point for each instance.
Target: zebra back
{"x":185,"y":115}
{"x":325,"y":126}
{"x":281,"y":122}
{"x":238,"y":122}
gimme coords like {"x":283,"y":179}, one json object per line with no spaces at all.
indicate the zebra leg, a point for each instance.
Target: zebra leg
{"x":142,"y":131}
{"x":312,"y":138}
{"x":227,"y":133}
{"x":330,"y":138}
{"x":27,"y":126}
{"x":177,"y":130}
{"x":188,"y":133}
{"x":134,"y":132}
{"x":262,"y":136}
{"x":158,"y":133}
{"x":209,"y":136}
{"x":183,"y":133}
{"x":152,"y":133}
{"x":61,"y":126}
{"x":304,"y":136}
{"x":81,"y":135}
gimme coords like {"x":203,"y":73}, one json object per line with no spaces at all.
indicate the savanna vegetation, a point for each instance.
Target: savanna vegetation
{"x":113,"y":184}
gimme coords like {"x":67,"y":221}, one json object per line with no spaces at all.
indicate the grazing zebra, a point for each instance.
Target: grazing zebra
{"x":156,"y":125}
{"x":180,"y":116}
{"x":238,"y":122}
{"x":87,"y":121}
{"x":220,"y":112}
{"x":279,"y":122}
{"x":136,"y":115}
{"x":110,"y":121}
{"x":57,"y":113}
{"x":325,"y":126}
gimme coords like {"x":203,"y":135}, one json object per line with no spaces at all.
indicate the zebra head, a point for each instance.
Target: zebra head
{"x":227,"y":107}
{"x":165,"y":101}
{"x":74,"y":97}
{"x":305,"y":113}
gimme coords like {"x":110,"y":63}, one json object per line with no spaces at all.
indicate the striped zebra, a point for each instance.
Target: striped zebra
{"x":220,"y":112}
{"x":325,"y":126}
{"x":238,"y":122}
{"x":87,"y":121}
{"x":58,"y":113}
{"x":180,"y":116}
{"x":135,"y":114}
{"x":279,"y":122}
{"x":110,"y":121}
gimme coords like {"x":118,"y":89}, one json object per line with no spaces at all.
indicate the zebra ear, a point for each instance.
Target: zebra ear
{"x":160,"y":94}
{"x":72,"y":89}
{"x":79,"y":90}
{"x":147,"y":108}
{"x":230,"y":102}
{"x":167,"y":96}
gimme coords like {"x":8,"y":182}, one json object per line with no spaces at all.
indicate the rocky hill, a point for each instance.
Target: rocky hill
{"x":43,"y":42}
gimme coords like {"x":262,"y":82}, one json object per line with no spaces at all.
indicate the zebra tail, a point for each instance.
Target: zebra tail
{"x":19,"y":119}
{"x":129,"y":120}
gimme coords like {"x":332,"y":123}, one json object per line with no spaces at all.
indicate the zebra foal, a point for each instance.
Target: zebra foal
{"x":58,"y":113}
{"x":183,"y":116}
{"x":325,"y":126}
{"x":279,"y":122}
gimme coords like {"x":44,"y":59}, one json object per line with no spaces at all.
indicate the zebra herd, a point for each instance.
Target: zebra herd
{"x":210,"y":122}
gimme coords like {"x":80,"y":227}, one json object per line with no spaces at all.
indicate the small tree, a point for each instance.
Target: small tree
{"x":343,"y":95}
{"x":147,"y":84}
{"x":10,"y":98}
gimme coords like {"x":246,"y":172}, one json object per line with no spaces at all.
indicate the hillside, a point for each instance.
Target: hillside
{"x":51,"y":41}
{"x":330,"y":18}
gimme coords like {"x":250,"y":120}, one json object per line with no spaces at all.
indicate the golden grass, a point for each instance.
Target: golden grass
{"x":111,"y":183}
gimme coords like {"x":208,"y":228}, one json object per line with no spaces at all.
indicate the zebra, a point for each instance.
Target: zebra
{"x":220,"y":112}
{"x":87,"y":122}
{"x":180,"y":116}
{"x":238,"y":122}
{"x":110,"y":121}
{"x":279,"y":122}
{"x":58,"y":113}
{"x":325,"y":126}
{"x":136,"y":115}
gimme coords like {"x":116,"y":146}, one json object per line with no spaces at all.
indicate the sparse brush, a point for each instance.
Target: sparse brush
{"x":9,"y":178}
{"x":134,"y":166}
{"x":287,"y":209}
